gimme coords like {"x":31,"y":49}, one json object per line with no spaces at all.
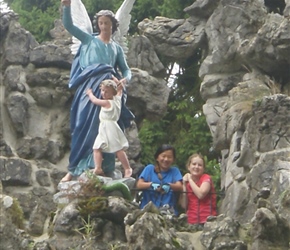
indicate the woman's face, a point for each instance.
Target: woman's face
{"x":105,"y":24}
{"x":196,"y":166}
{"x":165,"y":159}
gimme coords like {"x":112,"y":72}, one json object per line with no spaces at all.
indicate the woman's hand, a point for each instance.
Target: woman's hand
{"x":66,"y":2}
{"x":122,"y":82}
{"x":120,"y":86}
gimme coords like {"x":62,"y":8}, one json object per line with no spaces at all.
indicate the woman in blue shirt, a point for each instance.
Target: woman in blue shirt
{"x":96,"y":60}
{"x":160,"y":181}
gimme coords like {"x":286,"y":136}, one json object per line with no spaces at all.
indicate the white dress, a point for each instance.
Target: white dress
{"x":111,"y":138}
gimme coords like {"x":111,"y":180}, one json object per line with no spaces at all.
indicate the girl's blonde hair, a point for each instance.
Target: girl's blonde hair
{"x":110,"y":83}
{"x":193,"y":156}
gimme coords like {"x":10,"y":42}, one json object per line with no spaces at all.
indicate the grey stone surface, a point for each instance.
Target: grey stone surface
{"x":245,"y":84}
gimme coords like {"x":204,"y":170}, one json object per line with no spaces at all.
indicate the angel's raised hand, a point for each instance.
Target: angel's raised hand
{"x":66,"y":2}
{"x":120,"y":86}
{"x":115,"y":79}
{"x":124,"y":81}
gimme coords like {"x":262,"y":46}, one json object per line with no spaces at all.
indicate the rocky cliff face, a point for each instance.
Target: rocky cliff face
{"x":245,"y":74}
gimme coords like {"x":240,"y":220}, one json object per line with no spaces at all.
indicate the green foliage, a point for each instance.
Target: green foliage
{"x":93,"y":6}
{"x":91,"y":205}
{"x":115,"y":246}
{"x":88,"y":232}
{"x":184,"y":125}
{"x":31,"y":245}
{"x":284,"y":198}
{"x":174,"y":8}
{"x":175,"y":242}
{"x":87,"y":229}
{"x":213,"y":169}
{"x":151,"y":135}
{"x":151,"y":8}
{"x":16,"y":214}
{"x":37,"y":16}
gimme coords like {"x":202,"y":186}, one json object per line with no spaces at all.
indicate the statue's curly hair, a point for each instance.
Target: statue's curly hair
{"x":108,"y":13}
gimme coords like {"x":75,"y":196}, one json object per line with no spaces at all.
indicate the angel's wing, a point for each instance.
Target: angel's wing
{"x":80,"y":19}
{"x":124,"y":18}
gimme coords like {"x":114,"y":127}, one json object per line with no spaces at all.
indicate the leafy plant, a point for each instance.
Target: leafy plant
{"x":92,"y":187}
{"x":115,"y":246}
{"x":16,"y":213}
{"x":87,"y":229}
{"x":37,"y":16}
{"x":31,"y":245}
{"x":284,"y":198}
{"x":92,"y":205}
{"x":87,"y":232}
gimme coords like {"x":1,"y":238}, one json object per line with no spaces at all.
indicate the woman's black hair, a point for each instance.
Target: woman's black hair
{"x":162,"y":148}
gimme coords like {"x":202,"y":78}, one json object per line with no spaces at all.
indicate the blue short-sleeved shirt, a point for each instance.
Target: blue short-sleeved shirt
{"x":171,"y":176}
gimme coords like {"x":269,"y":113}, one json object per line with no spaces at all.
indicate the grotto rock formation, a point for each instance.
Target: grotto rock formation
{"x":245,"y":72}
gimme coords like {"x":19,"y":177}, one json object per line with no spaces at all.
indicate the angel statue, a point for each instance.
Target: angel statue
{"x":97,"y":57}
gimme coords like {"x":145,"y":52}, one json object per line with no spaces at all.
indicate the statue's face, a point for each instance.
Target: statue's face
{"x":105,"y":25}
{"x":107,"y":92}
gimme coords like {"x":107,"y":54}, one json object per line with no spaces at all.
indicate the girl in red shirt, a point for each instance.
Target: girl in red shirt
{"x":199,"y":197}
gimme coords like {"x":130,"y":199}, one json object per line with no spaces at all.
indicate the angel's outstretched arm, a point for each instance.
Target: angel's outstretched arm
{"x":72,"y":29}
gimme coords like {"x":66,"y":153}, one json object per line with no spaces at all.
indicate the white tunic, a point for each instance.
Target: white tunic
{"x":111,"y":138}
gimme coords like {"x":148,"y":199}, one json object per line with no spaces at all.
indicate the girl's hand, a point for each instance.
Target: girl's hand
{"x":66,"y":2}
{"x":89,"y":91}
{"x":186,"y":177}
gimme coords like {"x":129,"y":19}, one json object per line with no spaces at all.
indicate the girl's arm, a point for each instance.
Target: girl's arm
{"x":97,"y":101}
{"x":141,"y":184}
{"x":201,"y":191}
{"x":183,"y":198}
{"x":120,"y":87}
{"x":176,"y":186}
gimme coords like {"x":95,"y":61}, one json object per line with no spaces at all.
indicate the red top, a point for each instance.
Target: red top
{"x":199,"y":210}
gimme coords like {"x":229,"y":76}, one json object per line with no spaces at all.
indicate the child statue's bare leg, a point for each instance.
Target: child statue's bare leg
{"x":125,"y":163}
{"x":98,"y":157}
